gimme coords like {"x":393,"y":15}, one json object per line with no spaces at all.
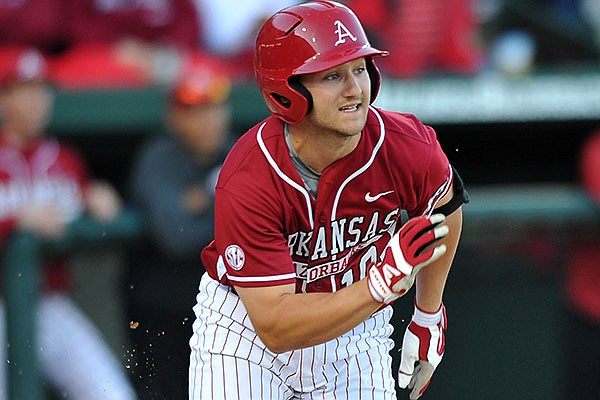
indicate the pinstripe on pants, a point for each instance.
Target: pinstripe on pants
{"x":229,"y":361}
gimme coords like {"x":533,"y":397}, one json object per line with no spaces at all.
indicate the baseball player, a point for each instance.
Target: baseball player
{"x":44,"y":186}
{"x":310,"y":249}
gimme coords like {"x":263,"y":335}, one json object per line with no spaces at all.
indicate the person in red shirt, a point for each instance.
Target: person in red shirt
{"x":44,"y":185}
{"x":310,"y":246}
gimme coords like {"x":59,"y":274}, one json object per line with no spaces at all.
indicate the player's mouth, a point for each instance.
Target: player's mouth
{"x":350,"y":108}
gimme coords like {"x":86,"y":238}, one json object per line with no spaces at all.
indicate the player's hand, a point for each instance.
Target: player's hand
{"x":102,"y":201}
{"x":407,"y":253}
{"x":45,"y":220}
{"x":422,"y":350}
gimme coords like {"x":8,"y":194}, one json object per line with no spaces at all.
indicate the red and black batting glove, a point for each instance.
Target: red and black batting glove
{"x":422,"y":350}
{"x":407,"y":253}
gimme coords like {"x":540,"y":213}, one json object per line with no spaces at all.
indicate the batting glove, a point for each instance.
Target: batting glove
{"x":406,"y":254}
{"x":424,"y":343}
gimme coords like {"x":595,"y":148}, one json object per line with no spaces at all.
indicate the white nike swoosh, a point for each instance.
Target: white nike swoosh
{"x":371,"y":199}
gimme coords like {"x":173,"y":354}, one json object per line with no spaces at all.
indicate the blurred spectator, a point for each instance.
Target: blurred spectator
{"x":172,"y":183}
{"x":513,"y":52}
{"x":422,"y":36}
{"x":126,"y":42}
{"x":45,"y":186}
{"x":542,"y":32}
{"x":228,"y":29}
{"x":37,"y":23}
{"x":171,"y":23}
{"x":583,"y":293}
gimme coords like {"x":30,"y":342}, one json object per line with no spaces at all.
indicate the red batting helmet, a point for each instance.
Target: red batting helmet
{"x":303,"y":39}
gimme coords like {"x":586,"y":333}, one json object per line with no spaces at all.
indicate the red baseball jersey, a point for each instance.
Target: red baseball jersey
{"x":269,"y":230}
{"x":47,"y":172}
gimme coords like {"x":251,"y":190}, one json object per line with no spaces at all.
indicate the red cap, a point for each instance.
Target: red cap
{"x":201,"y":82}
{"x":22,"y":64}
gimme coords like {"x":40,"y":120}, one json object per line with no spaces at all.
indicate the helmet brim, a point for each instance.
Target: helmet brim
{"x":319,"y":62}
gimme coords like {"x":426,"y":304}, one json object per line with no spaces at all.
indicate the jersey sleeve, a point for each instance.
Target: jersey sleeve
{"x":434,"y":177}
{"x":250,"y":240}
{"x":437,"y":179}
{"x":74,"y":161}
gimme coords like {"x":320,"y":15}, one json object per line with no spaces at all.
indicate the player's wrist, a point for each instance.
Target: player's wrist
{"x":378,"y":288}
{"x":424,"y":318}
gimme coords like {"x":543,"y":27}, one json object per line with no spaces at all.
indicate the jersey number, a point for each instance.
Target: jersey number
{"x":368,"y":257}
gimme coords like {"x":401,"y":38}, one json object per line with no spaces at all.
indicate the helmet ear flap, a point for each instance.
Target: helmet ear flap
{"x":375,"y":77}
{"x":291,"y":101}
{"x":295,"y":84}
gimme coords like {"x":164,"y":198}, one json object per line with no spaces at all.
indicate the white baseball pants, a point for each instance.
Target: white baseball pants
{"x":229,"y":361}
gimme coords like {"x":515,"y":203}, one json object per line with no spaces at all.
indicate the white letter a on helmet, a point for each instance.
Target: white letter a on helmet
{"x":342,"y":33}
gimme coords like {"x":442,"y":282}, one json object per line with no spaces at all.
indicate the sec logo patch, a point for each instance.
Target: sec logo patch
{"x":235,"y":257}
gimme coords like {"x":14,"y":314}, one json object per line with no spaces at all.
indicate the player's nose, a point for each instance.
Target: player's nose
{"x":352,"y":86}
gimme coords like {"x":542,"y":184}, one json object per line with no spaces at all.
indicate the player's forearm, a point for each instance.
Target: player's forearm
{"x":431,"y":280}
{"x":296,"y":321}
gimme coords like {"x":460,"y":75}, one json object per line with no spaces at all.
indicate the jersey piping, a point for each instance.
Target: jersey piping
{"x":441,"y":192}
{"x":283,"y":176}
{"x":364,"y":167}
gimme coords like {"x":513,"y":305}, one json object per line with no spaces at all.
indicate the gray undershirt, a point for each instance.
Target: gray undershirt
{"x":308,"y":175}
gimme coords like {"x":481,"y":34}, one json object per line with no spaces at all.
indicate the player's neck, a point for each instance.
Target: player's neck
{"x":318,"y":150}
{"x":16,"y":139}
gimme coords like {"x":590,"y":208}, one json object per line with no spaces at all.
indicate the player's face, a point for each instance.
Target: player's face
{"x":204,"y":127}
{"x":341,"y":98}
{"x":26,"y":108}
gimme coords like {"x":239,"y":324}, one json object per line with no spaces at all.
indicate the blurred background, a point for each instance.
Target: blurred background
{"x":512,"y":88}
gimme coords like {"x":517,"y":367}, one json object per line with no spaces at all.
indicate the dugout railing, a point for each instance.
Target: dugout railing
{"x":22,"y":270}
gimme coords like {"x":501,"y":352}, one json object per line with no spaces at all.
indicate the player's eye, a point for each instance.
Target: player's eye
{"x":332,"y":76}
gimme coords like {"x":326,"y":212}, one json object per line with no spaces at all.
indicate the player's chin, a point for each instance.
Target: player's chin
{"x":355,"y":121}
